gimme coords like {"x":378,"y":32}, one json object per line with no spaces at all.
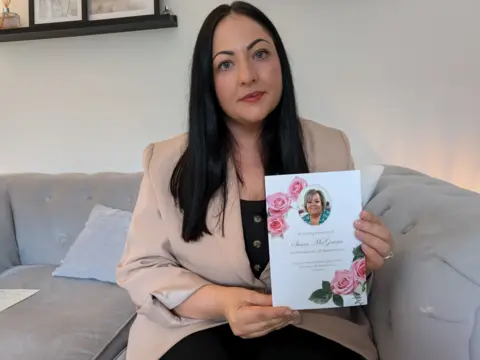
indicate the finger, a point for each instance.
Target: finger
{"x":293,"y":319}
{"x":368,"y":216}
{"x":259,"y":299}
{"x":249,"y":327}
{"x":257,"y":316}
{"x":265,"y":313}
{"x":252,"y":330}
{"x":374,"y":259}
{"x":288,"y":321}
{"x":377,"y":244}
{"x":375,"y":229}
{"x":297,"y":319}
{"x":273,"y":325}
{"x":255,"y":335}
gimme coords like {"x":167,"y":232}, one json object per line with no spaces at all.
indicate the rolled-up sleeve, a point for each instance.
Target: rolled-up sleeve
{"x":148,"y":270}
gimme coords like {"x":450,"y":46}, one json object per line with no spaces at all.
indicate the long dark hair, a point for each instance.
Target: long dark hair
{"x":201,"y":171}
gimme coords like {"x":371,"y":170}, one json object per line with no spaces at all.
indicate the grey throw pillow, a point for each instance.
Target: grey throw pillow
{"x":99,"y":247}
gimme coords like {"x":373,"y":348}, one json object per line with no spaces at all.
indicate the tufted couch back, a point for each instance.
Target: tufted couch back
{"x":42,"y":214}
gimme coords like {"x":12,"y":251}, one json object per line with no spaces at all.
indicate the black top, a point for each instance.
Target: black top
{"x":254,"y":221}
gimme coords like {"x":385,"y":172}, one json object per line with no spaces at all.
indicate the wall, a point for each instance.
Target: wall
{"x":401,"y":77}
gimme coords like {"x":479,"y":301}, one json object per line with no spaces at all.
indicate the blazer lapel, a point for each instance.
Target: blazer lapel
{"x":232,"y":244}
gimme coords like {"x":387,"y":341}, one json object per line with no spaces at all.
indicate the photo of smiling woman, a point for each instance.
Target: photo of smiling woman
{"x":316,"y":207}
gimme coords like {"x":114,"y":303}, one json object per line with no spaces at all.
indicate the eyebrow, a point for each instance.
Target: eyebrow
{"x":249,"y":47}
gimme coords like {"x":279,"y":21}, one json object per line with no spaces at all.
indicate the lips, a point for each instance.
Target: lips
{"x":253,"y":97}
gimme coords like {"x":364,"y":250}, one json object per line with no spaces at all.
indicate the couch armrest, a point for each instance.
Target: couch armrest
{"x":8,"y":246}
{"x":423,"y":308}
{"x":425,"y":302}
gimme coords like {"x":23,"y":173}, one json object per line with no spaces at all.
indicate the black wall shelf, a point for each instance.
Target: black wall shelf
{"x":83,"y":28}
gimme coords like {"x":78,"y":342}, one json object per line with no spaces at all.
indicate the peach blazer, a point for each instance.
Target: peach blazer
{"x":159,"y":270}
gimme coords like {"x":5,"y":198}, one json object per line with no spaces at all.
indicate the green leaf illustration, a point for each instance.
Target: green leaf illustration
{"x":358,"y":298}
{"x":358,"y":253}
{"x":338,"y":300}
{"x":364,"y":286}
{"x":326,"y":286}
{"x":320,"y":296}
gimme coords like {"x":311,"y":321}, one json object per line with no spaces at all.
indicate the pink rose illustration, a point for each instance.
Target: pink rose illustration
{"x":277,"y":225}
{"x":278,"y":204}
{"x":359,"y":270}
{"x":296,"y":187}
{"x":343,"y":282}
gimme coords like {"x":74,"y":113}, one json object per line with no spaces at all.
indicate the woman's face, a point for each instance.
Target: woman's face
{"x":247,"y":70}
{"x":314,"y":205}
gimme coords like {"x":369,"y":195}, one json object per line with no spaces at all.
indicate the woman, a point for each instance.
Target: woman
{"x":196,"y":258}
{"x":316,"y":207}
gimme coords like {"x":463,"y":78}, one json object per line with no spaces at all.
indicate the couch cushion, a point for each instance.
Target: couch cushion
{"x":99,"y":247}
{"x":426,"y":300}
{"x":51,"y":210}
{"x":8,"y":246}
{"x":67,"y":319}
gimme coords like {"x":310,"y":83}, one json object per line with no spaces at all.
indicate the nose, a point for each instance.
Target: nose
{"x":247,"y":74}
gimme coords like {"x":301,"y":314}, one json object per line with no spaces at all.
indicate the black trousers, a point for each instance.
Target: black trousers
{"x":219,"y":343}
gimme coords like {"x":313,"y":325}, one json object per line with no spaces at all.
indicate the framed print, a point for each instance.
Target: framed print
{"x":113,"y":9}
{"x":56,"y":11}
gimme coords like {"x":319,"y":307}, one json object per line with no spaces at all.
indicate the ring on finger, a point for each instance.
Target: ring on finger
{"x":389,"y":256}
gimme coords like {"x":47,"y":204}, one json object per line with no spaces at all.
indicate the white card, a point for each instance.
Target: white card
{"x":315,"y":258}
{"x":10,"y":297}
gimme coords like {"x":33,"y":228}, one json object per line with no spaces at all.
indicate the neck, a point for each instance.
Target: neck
{"x":247,"y":138}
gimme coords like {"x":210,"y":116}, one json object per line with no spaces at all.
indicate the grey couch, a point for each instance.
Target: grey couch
{"x":425,"y":303}
{"x":68,"y":319}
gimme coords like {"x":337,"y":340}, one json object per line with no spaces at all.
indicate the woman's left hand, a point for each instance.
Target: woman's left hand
{"x":376,"y":239}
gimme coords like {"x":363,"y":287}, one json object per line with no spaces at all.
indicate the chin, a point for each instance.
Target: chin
{"x":254,"y":116}
{"x":252,"y":120}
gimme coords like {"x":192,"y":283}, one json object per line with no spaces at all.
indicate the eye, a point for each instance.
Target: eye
{"x":261,"y":54}
{"x":225,"y":65}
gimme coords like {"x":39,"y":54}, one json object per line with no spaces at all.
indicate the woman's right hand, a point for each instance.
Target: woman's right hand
{"x":251,"y":314}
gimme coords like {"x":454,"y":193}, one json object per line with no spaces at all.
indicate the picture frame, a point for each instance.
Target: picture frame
{"x":58,"y":14}
{"x":44,"y":24}
{"x":51,"y":12}
{"x":116,"y":9}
